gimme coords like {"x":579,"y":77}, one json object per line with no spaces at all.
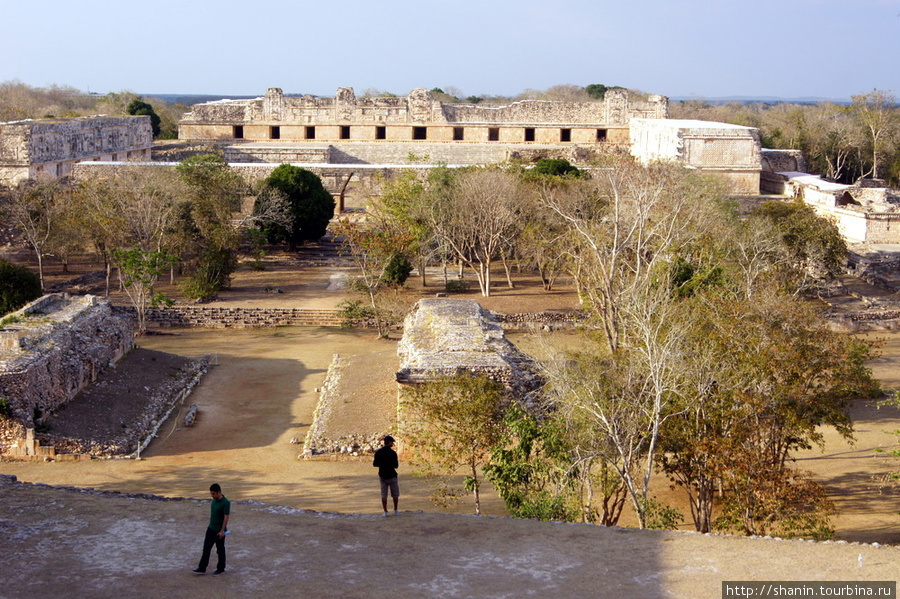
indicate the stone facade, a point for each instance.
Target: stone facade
{"x":32,"y":148}
{"x":51,"y":349}
{"x":347,"y":138}
{"x":729,"y":150}
{"x":417,"y":117}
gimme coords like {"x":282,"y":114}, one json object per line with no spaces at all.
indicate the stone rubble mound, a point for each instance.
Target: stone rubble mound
{"x":445,"y":336}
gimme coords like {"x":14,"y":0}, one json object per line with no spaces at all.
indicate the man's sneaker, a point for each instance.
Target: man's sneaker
{"x":386,"y":514}
{"x":217,"y":572}
{"x":396,"y":513}
{"x":198,"y":571}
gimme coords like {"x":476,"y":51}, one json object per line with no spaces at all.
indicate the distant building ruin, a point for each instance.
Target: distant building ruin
{"x":364,"y":139}
{"x":32,"y":148}
{"x":346,"y":136}
{"x":731,"y":151}
{"x":867,"y":212}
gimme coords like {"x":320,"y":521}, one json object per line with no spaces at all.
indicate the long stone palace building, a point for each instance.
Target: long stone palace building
{"x":349,"y":134}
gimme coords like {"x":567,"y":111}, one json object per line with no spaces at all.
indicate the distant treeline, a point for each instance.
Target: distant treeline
{"x":19,"y":101}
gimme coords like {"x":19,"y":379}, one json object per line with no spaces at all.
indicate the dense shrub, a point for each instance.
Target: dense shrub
{"x":18,"y":286}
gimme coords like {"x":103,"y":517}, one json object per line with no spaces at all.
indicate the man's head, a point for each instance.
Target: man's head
{"x":388,"y":441}
{"x":215,"y":490}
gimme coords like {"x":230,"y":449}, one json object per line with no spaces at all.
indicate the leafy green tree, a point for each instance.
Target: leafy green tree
{"x":555,"y":167}
{"x":532,"y":469}
{"x":138,"y":107}
{"x":403,"y":208}
{"x":597,"y":91}
{"x":310,"y":206}
{"x":206,"y":235}
{"x":18,"y":286}
{"x":450,"y":424}
{"x":139,"y":270}
{"x":397,"y":270}
{"x":380,"y":265}
{"x":36,"y":208}
{"x":763,"y":376}
{"x":814,"y":248}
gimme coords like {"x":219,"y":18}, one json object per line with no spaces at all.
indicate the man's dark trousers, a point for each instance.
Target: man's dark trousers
{"x":213,"y":538}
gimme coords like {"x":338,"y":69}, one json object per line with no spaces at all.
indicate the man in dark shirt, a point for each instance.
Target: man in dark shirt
{"x":219,"y":512}
{"x":387,"y":464}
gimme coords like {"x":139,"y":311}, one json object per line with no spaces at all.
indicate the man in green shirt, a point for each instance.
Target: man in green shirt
{"x":219,"y":511}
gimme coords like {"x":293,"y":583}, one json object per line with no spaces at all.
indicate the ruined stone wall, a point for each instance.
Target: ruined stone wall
{"x":780,"y":161}
{"x":861,"y":226}
{"x":63,"y":344}
{"x":141,"y":431}
{"x":443,"y":336}
{"x":53,"y":146}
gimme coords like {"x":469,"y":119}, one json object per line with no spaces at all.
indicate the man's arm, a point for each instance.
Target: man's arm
{"x":224,"y":526}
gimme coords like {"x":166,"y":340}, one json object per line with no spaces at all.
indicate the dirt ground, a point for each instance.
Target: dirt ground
{"x":81,"y":545}
{"x":261,"y":394}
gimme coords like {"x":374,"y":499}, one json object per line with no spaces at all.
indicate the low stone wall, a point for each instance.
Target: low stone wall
{"x":237,"y":318}
{"x":215,"y":317}
{"x":320,"y":441}
{"x":528,"y":321}
{"x":865,"y":322}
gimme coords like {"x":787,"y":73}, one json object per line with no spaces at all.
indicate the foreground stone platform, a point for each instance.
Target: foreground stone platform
{"x":102,"y":544}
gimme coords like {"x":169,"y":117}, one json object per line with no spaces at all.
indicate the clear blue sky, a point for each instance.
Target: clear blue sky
{"x":703,"y":48}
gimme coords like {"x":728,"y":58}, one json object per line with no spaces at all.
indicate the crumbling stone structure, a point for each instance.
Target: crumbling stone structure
{"x":50,"y":350}
{"x":442,"y":337}
{"x":731,"y":151}
{"x":866,"y":212}
{"x":52,"y":147}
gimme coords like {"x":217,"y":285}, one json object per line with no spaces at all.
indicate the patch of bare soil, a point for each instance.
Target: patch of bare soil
{"x":106,"y":408}
{"x":80,"y":544}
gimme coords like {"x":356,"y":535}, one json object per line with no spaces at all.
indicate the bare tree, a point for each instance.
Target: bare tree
{"x":134,"y":208}
{"x":634,"y":222}
{"x":35,"y":208}
{"x":877,"y":113}
{"x":630,"y":226}
{"x":477,"y":217}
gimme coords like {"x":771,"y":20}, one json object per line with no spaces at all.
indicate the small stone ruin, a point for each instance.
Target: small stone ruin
{"x":49,"y":351}
{"x":443,"y":336}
